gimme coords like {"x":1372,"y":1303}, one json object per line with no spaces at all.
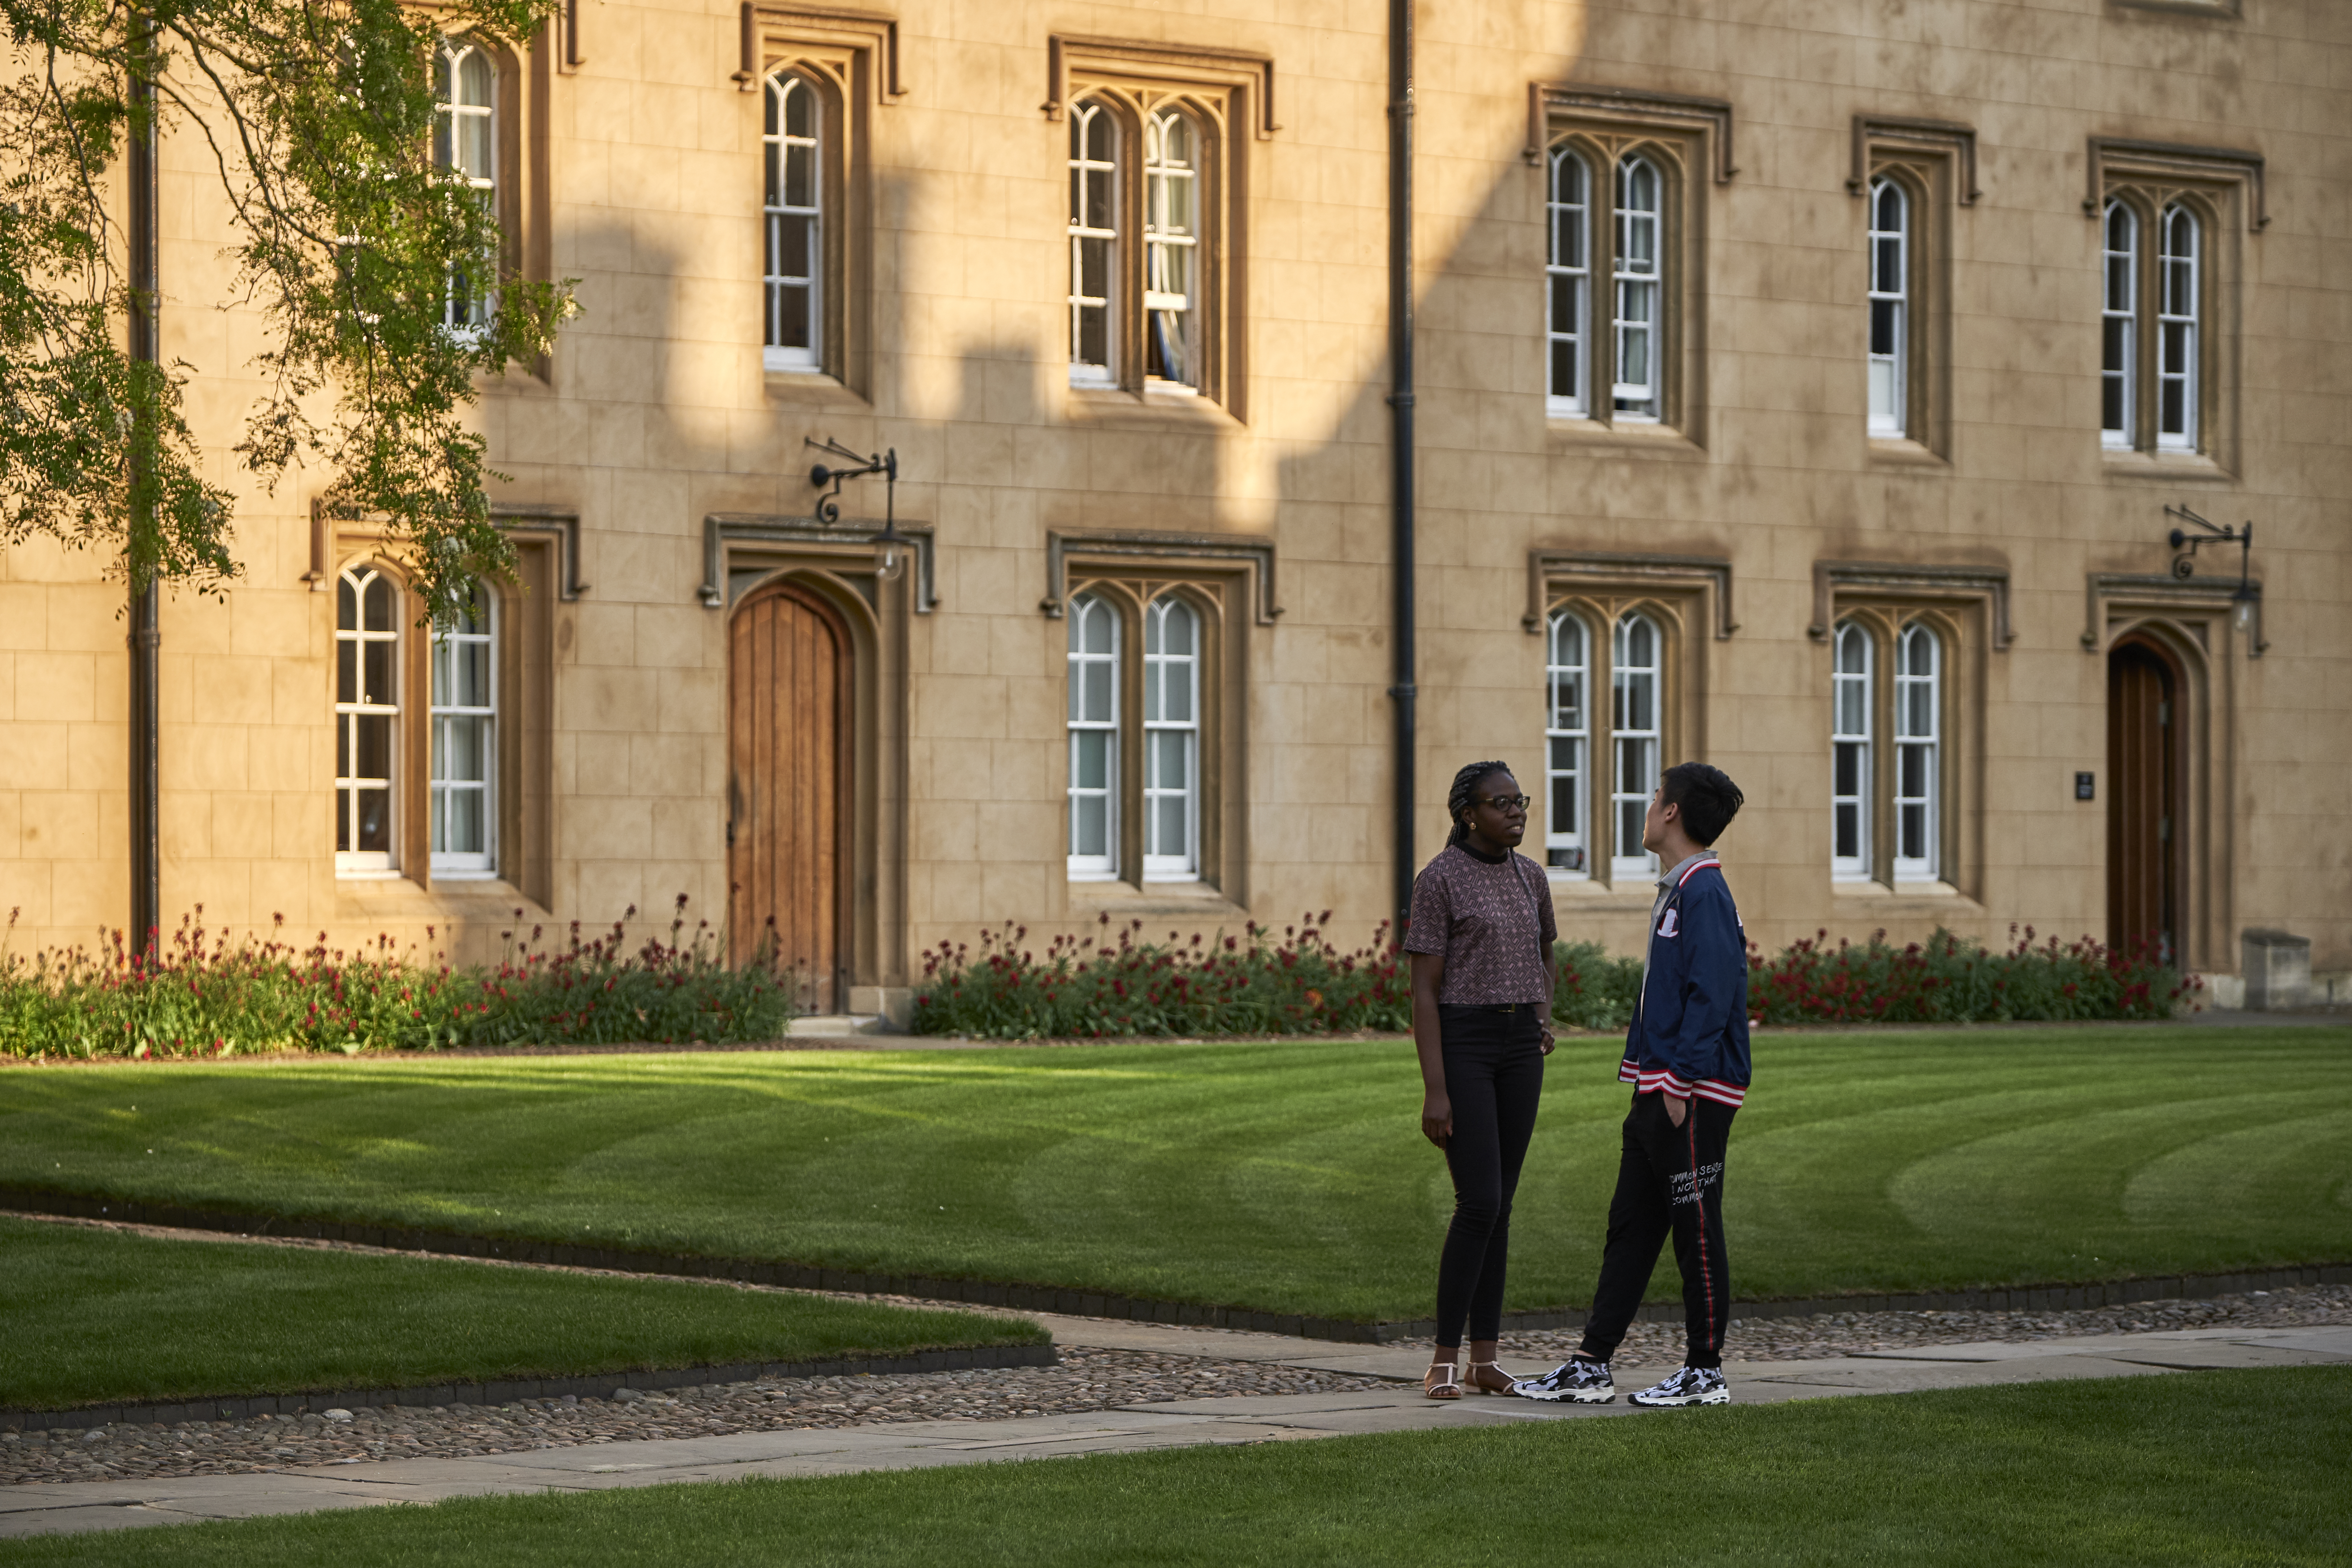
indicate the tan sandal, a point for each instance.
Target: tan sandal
{"x":1447,"y":1386}
{"x":1510,"y":1385}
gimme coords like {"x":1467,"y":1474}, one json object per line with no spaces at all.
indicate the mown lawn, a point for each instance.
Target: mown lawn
{"x":95,"y":1316}
{"x":2206,"y":1468}
{"x":1286,"y":1176}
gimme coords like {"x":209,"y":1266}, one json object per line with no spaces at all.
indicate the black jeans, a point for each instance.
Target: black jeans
{"x":1669,"y":1179}
{"x":1493,"y":1075}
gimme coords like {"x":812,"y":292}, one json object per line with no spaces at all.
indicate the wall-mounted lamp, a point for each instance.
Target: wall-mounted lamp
{"x":890,"y":546}
{"x":2184,"y":561}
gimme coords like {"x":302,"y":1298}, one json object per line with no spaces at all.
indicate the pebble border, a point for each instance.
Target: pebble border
{"x":1098,"y":1304}
{"x":980,"y":1358}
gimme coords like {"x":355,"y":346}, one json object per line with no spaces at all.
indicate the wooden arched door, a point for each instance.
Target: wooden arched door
{"x":2146,"y":781}
{"x":788,"y":750}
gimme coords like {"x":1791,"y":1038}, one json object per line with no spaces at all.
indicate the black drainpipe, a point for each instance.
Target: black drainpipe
{"x":146,"y":874}
{"x":1400,"y":413}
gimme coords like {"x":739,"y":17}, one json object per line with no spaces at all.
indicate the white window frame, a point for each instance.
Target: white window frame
{"x":1890,"y":305}
{"x":466,"y":313}
{"x":1172,"y":246}
{"x":362,"y":706}
{"x":1853,"y":719}
{"x":1918,"y":741}
{"x":2179,"y":279}
{"x":1084,"y":169}
{"x":1568,"y":745}
{"x":2120,"y":323}
{"x":1087,"y":611}
{"x":1567,"y":284}
{"x":1633,"y":749}
{"x":1637,"y":268}
{"x":445,"y":717}
{"x":778,"y":146}
{"x":1167,"y":674}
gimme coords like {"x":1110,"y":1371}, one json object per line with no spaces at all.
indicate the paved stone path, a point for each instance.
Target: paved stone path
{"x":1383,"y":1398}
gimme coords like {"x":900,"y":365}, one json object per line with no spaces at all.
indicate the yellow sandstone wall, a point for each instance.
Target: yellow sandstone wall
{"x":655,"y":412}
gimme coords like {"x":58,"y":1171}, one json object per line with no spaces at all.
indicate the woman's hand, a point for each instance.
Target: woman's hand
{"x":1436,"y":1117}
{"x":1548,"y":1041}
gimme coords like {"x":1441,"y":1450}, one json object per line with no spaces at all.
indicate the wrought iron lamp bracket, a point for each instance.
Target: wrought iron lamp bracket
{"x":2185,"y":544}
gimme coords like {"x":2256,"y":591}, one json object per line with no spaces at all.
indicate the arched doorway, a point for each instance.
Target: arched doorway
{"x":789,"y":671}
{"x":2147,"y":773}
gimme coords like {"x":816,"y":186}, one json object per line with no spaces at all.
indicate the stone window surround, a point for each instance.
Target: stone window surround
{"x":1600,"y":609}
{"x":1935,"y":162}
{"x":546,"y":576}
{"x":2225,"y":188}
{"x":1969,"y":609}
{"x":1690,"y":141}
{"x":851,"y":59}
{"x":1127,"y":594}
{"x":525,"y":171}
{"x":1681,"y":594}
{"x":1883,"y":620}
{"x":1223,"y":91}
{"x":1216,"y":587}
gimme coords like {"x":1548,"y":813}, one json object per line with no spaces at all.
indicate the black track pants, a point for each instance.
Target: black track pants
{"x":1493,"y":1075}
{"x":1669,"y":1178}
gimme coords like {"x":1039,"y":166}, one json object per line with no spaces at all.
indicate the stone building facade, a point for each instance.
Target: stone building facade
{"x":1806,"y":388}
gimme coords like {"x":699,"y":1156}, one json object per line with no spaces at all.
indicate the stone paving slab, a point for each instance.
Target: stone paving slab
{"x":115,"y":1504}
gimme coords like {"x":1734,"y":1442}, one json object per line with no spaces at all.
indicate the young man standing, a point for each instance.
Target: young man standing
{"x":1687,"y":1057}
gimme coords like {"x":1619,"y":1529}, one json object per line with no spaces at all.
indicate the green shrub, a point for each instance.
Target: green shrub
{"x":199,"y":995}
{"x":1592,"y":990}
{"x":1118,"y":986}
{"x":1248,"y":985}
{"x":1951,"y":979}
{"x":1253,"y":985}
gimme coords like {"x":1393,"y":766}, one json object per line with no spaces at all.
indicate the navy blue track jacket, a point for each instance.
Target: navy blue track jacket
{"x":1689,"y":1034}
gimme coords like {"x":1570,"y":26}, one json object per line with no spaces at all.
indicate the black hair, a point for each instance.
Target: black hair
{"x":1457,"y":799}
{"x":1707,"y":796}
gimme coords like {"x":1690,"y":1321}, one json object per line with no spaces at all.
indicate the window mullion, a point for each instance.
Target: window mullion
{"x":1134,"y":749}
{"x":1134,"y":259}
{"x":1600,"y":402}
{"x":2149,"y":266}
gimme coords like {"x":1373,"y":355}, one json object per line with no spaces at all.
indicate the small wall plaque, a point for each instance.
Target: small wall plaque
{"x":2086,"y":786}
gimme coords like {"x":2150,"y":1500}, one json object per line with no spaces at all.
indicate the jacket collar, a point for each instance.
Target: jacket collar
{"x":1683,"y":869}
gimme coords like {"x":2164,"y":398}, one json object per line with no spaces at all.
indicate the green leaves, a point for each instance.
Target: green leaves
{"x":350,"y":237}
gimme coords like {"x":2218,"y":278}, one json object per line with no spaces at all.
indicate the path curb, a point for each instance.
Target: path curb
{"x":505,"y":1391}
{"x":1099,"y":1304}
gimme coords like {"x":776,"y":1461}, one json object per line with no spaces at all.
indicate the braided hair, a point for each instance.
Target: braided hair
{"x":1457,"y":799}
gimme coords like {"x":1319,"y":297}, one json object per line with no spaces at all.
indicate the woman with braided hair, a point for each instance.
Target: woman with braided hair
{"x":1480,"y":931}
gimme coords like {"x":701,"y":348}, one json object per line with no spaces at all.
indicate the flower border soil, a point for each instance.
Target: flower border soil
{"x":599,"y":1385}
{"x":1096,"y":1304}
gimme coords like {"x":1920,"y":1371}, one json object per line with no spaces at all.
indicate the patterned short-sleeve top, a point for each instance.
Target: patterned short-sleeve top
{"x":1492,"y":922}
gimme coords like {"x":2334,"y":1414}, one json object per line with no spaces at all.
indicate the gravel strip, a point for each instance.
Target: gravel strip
{"x":1842,"y":1333}
{"x":1087,"y":1380}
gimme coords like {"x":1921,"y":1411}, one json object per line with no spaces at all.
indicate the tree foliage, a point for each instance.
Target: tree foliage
{"x":348,"y":233}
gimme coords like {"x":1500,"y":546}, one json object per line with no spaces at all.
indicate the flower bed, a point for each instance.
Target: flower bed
{"x":199,"y":995}
{"x":1249,"y":984}
{"x":1954,"y":980}
{"x":1255,"y":984}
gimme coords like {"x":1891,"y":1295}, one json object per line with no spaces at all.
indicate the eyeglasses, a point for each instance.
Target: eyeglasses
{"x":1504,"y":802}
